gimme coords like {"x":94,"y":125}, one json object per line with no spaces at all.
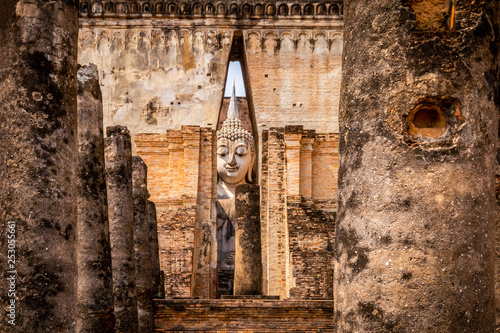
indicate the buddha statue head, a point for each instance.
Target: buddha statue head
{"x":235,"y":149}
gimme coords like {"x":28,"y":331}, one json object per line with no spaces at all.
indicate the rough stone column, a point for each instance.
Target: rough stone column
{"x":95,"y":287}
{"x":158,"y":287}
{"x":248,"y":264}
{"x":142,"y":245}
{"x":415,"y":232}
{"x":38,"y":114}
{"x":118,"y":154}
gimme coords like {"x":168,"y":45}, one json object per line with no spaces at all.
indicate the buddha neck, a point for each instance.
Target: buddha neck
{"x":226,"y":190}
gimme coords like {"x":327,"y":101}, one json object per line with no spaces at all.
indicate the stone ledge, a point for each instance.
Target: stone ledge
{"x":243,"y":315}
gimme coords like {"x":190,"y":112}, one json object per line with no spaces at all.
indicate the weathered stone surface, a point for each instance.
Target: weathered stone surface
{"x":158,"y":78}
{"x":158,"y":287}
{"x":248,"y":260}
{"x":142,"y":246}
{"x":118,"y":155}
{"x":415,"y":231}
{"x":205,"y":236}
{"x":95,"y":285}
{"x":38,"y":113}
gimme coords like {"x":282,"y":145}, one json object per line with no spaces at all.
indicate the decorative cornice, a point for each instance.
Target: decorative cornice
{"x":265,"y":9}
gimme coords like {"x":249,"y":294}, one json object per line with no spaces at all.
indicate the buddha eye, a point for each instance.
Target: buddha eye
{"x":222,"y":151}
{"x":241,"y":150}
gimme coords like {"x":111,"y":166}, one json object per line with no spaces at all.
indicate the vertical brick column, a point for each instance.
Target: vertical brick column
{"x":205,"y":230}
{"x":38,"y":128}
{"x":293,"y":135}
{"x":264,"y":209}
{"x":278,"y":229}
{"x":142,"y":246}
{"x":306,"y":151}
{"x":325,"y":156}
{"x":191,"y":148}
{"x":415,"y":233}
{"x":158,"y":287}
{"x":95,"y":285}
{"x":118,"y":156}
{"x":247,"y":266}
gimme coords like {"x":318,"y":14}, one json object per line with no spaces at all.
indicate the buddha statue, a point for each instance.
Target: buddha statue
{"x":235,"y":162}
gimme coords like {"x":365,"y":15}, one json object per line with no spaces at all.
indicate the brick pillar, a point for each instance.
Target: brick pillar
{"x":205,"y":255}
{"x":158,"y":287}
{"x":38,"y":128}
{"x":248,"y":265}
{"x":306,"y":151}
{"x":264,"y":209}
{"x":118,"y":155}
{"x":278,"y":228}
{"x":95,"y":285}
{"x":191,"y":148}
{"x":293,"y":135}
{"x":415,"y":233}
{"x":324,"y":184}
{"x":142,"y":246}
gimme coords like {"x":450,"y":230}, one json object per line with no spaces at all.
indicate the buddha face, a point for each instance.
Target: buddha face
{"x":234,"y":160}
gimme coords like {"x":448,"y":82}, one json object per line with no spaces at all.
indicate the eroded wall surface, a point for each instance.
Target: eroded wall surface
{"x":155,"y":79}
{"x":164,"y":65}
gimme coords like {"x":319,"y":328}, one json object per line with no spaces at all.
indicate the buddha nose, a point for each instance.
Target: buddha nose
{"x":231,"y":161}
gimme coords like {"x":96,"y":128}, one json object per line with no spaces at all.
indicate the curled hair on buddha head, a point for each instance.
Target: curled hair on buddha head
{"x":232,"y":129}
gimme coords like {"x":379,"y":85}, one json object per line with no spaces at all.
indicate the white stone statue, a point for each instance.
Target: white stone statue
{"x":235,"y":153}
{"x":235,"y":162}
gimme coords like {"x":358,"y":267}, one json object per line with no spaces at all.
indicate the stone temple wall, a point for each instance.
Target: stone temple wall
{"x":164,"y":64}
{"x":155,"y":79}
{"x":163,"y":68}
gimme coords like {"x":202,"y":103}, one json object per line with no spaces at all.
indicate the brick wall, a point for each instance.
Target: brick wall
{"x":182,"y":185}
{"x":276,"y":222}
{"x":294,"y":76}
{"x":243,"y":316}
{"x":298,"y":200}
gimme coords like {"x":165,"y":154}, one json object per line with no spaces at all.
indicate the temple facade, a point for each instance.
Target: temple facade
{"x":351,"y":190}
{"x":163,"y":71}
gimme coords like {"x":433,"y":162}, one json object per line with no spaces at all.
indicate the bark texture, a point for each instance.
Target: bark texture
{"x":142,"y":246}
{"x":248,"y":261}
{"x":95,"y":287}
{"x":415,"y":233}
{"x":118,"y":156}
{"x":38,"y":113}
